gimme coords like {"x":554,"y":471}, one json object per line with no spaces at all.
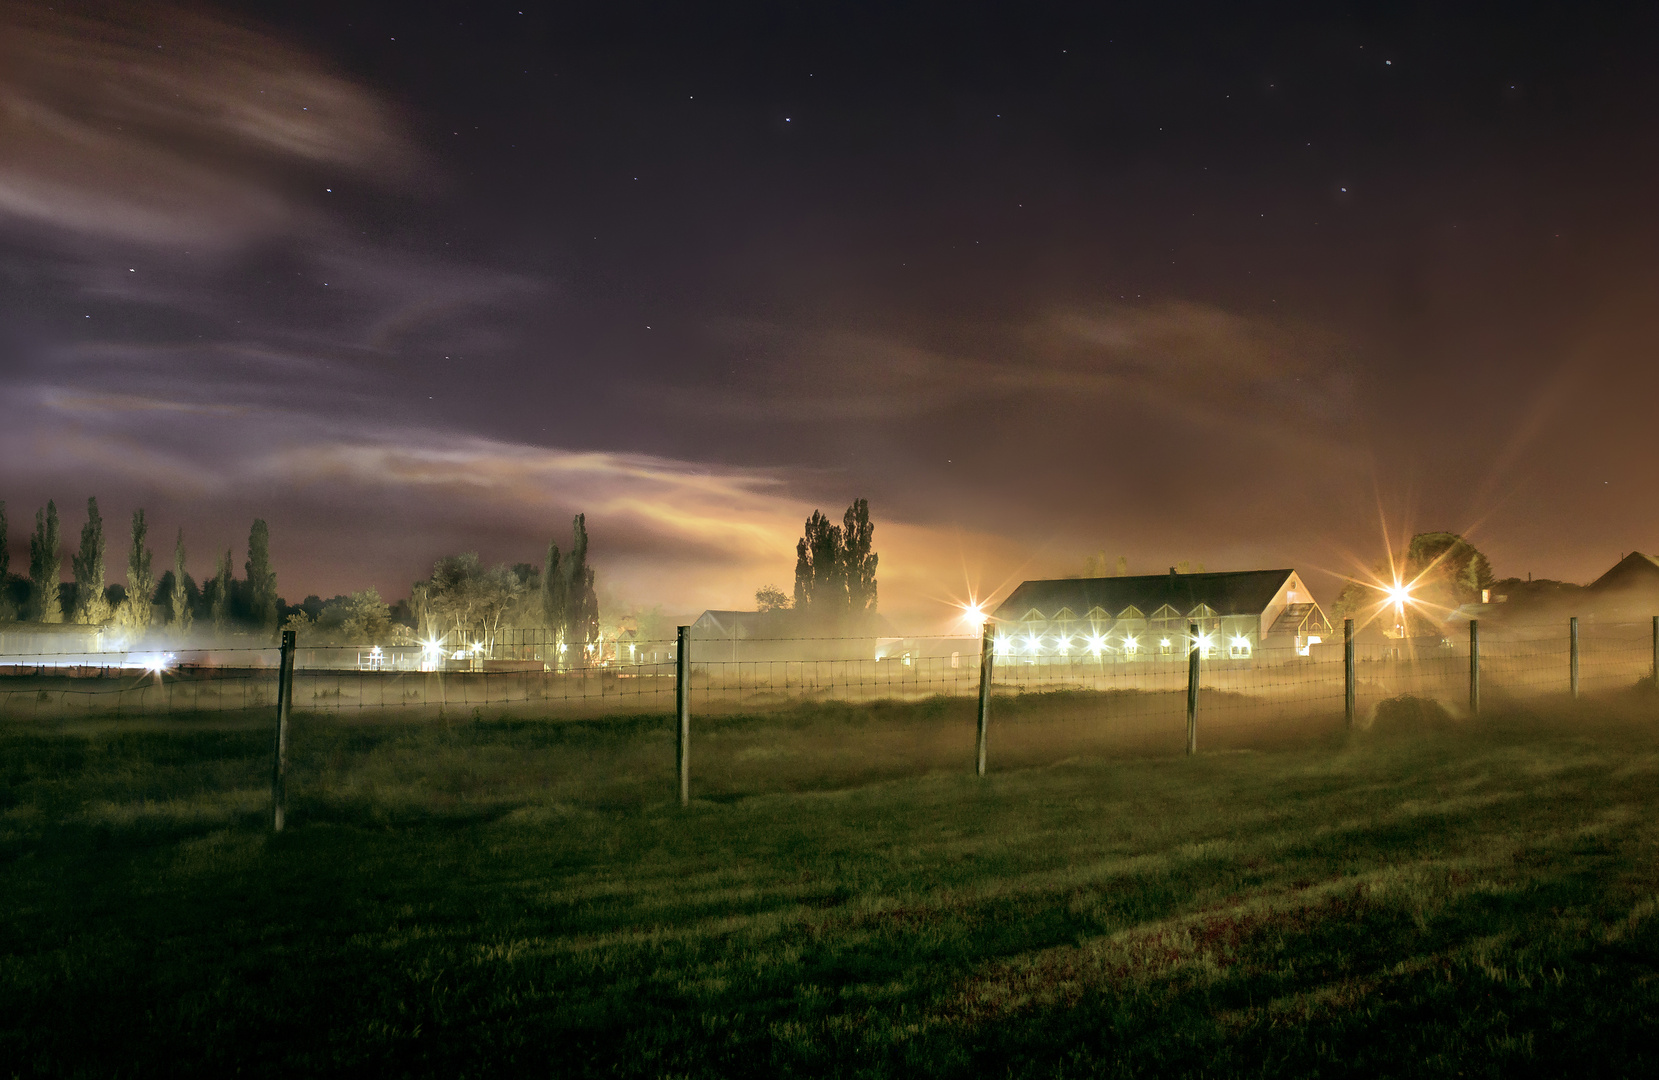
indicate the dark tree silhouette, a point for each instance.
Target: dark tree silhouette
{"x":88,"y":563}
{"x":45,"y":566}
{"x":835,"y":565}
{"x":262,"y":594}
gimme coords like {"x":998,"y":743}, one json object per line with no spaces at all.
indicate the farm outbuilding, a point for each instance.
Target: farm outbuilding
{"x":757,"y":636}
{"x":1239,"y":614}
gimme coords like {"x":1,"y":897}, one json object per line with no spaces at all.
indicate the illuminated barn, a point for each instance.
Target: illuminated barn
{"x":1128,"y":619}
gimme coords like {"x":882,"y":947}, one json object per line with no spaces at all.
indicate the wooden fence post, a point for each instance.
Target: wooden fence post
{"x":279,"y":767}
{"x":987,"y":657}
{"x":1656,"y":650}
{"x":1192,"y":691}
{"x":1348,"y":670}
{"x":1572,"y":635}
{"x":682,"y":712}
{"x":1474,"y":667}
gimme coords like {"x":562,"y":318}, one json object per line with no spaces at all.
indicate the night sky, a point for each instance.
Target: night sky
{"x":1179,"y":282}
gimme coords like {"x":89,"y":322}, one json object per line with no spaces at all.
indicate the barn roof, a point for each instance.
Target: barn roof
{"x":1634,"y":570}
{"x":1241,"y":592}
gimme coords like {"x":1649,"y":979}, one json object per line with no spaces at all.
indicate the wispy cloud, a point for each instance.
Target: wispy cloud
{"x":1189,"y":360}
{"x":156,"y":124}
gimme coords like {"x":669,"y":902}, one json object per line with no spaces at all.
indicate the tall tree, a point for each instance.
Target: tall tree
{"x":466,"y":600}
{"x":45,"y":567}
{"x":554,"y":597}
{"x":362,"y":618}
{"x":88,"y":563}
{"x":820,"y":584}
{"x":835,"y":565}
{"x":141,"y":579}
{"x":496,"y":592}
{"x":581,"y":601}
{"x":7,"y":612}
{"x":219,"y":601}
{"x":262,"y":594}
{"x":858,"y":558}
{"x":179,"y":600}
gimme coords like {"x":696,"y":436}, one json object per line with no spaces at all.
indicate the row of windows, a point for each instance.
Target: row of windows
{"x":1100,"y":645}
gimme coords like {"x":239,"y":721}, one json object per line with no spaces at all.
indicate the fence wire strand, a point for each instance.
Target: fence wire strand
{"x":760,"y":675}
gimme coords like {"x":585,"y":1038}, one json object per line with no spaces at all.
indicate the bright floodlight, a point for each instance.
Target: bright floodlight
{"x":1033,"y":643}
{"x":1399,"y":594}
{"x":1096,"y":643}
{"x":1002,"y":646}
{"x":973,"y":614}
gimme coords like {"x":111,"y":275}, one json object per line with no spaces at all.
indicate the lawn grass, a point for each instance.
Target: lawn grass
{"x":488,"y":897}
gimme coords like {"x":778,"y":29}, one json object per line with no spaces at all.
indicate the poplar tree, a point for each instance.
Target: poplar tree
{"x":262,"y":596}
{"x":179,"y":601}
{"x":7,"y":612}
{"x":45,"y":567}
{"x":141,"y":580}
{"x":858,"y":558}
{"x":5,"y":566}
{"x":220,"y":601}
{"x":820,"y":586}
{"x":581,"y":601}
{"x":90,"y":605}
{"x":553,"y":595}
{"x":835,"y":565}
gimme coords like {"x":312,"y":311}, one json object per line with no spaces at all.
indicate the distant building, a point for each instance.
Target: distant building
{"x":58,"y":643}
{"x":752,"y":636}
{"x":1633,"y":573}
{"x":1127,"y":619}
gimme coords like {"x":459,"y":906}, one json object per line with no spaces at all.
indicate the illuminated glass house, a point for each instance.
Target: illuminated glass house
{"x":1239,"y":616}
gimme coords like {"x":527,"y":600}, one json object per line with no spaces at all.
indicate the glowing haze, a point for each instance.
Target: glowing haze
{"x":1037,"y":284}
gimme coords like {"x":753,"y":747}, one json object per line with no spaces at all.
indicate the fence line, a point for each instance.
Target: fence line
{"x":1129,"y":695}
{"x":1270,"y":686}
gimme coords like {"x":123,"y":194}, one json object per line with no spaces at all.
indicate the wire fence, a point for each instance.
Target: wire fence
{"x":1049,"y":698}
{"x":758,"y":675}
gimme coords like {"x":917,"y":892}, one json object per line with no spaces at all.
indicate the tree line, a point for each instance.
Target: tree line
{"x":175,"y":600}
{"x":463,"y":601}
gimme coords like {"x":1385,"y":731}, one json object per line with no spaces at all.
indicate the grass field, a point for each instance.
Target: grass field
{"x":844,"y":898}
